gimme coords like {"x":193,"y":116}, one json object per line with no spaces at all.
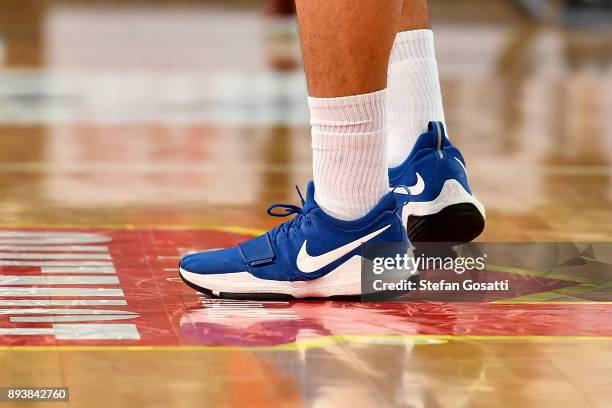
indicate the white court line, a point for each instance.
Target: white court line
{"x":86,"y":331}
{"x":49,"y":234}
{"x":55,"y":263}
{"x":55,"y":248}
{"x":57,"y":280}
{"x":46,"y":240}
{"x":78,"y":269}
{"x":46,"y":311}
{"x":50,"y":238}
{"x":63,"y":302}
{"x":10,"y":255}
{"x":20,"y":331}
{"x":46,"y":292}
{"x":76,"y":318}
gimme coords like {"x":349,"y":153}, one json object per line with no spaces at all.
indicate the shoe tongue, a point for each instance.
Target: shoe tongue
{"x":310,"y":200}
{"x":435,"y":132}
{"x":427,"y":140}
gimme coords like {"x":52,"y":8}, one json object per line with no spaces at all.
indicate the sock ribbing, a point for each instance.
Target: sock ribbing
{"x":412,"y":44}
{"x":413,"y":91}
{"x":349,"y":153}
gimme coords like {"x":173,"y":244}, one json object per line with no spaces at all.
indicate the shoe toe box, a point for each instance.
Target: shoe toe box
{"x":219,"y":261}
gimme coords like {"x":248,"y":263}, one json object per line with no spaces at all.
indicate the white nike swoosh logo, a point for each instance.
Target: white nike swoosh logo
{"x":417,"y":189}
{"x":309,"y":264}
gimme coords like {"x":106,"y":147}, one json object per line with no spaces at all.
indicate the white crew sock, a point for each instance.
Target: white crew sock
{"x":413,"y":89}
{"x":349,"y":153}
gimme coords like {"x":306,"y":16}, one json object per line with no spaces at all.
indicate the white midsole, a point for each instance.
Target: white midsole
{"x":345,"y":280}
{"x":452,"y":193}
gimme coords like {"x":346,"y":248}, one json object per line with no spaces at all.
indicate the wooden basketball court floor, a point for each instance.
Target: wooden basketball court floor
{"x":132,"y":133}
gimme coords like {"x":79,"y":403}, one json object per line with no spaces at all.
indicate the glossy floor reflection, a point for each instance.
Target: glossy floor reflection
{"x":170,"y":127}
{"x":104,"y":309}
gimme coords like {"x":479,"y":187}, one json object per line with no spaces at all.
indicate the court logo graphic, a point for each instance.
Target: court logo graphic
{"x":63,"y":285}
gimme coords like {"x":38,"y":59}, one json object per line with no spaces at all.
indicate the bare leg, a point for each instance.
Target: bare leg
{"x":346,"y":44}
{"x":415,"y":15}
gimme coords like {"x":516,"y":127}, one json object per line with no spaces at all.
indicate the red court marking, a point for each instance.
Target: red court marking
{"x":169,"y":313}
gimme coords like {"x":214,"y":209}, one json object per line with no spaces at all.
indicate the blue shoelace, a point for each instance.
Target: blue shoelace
{"x":289,"y":209}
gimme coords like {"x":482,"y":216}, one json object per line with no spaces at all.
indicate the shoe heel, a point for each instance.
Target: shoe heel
{"x":458,"y":223}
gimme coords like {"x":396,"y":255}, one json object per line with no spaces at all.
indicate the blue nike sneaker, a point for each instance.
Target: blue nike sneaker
{"x":312,"y":255}
{"x":442,"y":207}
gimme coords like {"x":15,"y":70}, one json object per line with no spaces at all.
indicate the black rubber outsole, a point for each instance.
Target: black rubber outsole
{"x":259,"y":296}
{"x":282,"y":296}
{"x":458,"y":223}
